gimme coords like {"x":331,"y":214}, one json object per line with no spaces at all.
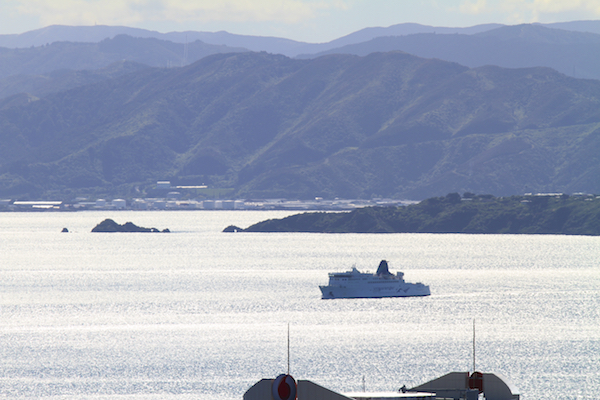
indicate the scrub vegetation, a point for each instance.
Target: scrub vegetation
{"x":557,"y":214}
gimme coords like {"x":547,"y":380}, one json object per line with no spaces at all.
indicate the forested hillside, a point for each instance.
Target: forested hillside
{"x":452,"y":214}
{"x":89,"y":56}
{"x":387,"y":124}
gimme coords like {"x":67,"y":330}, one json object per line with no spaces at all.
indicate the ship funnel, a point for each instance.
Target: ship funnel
{"x":383,"y":268}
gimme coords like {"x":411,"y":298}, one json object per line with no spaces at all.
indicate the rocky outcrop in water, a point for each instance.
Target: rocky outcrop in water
{"x":108,"y":225}
{"x":232,"y":228}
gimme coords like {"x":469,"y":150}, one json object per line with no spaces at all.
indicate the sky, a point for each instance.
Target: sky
{"x":304,"y":20}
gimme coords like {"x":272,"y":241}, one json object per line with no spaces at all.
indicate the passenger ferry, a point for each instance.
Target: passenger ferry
{"x":355,"y":284}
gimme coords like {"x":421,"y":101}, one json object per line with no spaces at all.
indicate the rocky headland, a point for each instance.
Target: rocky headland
{"x":530,"y":214}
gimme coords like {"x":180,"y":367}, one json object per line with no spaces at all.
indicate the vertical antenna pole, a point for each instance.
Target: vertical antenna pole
{"x":288,"y":372}
{"x":473,"y":344}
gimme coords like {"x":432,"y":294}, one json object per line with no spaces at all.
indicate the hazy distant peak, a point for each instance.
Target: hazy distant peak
{"x":65,"y":33}
{"x":590,"y":26}
{"x":536,"y":33}
{"x":580,"y":32}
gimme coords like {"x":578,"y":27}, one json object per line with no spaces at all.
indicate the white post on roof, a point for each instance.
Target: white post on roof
{"x":473,"y":344}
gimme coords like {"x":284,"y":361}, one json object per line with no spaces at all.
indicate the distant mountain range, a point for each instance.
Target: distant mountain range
{"x":290,"y":48}
{"x":116,"y":109}
{"x":522,"y":46}
{"x":30,"y":59}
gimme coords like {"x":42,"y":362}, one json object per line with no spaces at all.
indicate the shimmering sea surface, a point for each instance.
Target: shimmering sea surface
{"x":201,"y":314}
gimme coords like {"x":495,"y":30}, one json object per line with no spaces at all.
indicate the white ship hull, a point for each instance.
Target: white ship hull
{"x":374,"y":291}
{"x":355,"y":284}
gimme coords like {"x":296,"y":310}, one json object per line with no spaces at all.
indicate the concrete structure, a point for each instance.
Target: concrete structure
{"x":170,"y":201}
{"x":163,"y":185}
{"x":228,"y":205}
{"x":38,"y":205}
{"x":119,"y":204}
{"x":139,"y":204}
{"x":455,"y":386}
{"x":391,"y":396}
{"x":307,"y":390}
{"x":459,"y":385}
{"x":212,"y":204}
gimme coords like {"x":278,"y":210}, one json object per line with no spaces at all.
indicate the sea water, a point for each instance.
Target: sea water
{"x":202,"y":314}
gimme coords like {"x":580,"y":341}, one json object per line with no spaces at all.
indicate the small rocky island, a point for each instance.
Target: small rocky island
{"x":108,"y":225}
{"x":233,"y":228}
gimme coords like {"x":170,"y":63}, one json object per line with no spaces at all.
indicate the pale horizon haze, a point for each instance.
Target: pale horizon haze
{"x":312,"y":21}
